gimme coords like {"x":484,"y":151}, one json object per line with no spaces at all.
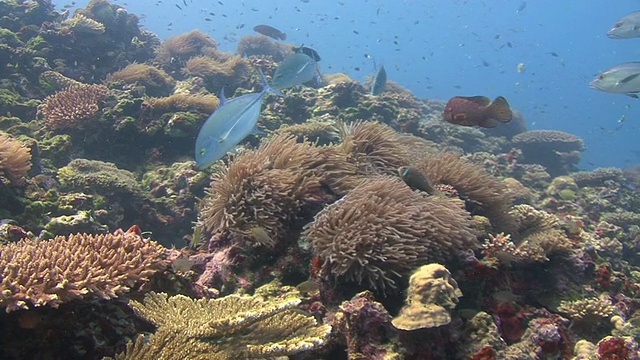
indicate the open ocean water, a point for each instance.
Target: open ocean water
{"x":443,"y":48}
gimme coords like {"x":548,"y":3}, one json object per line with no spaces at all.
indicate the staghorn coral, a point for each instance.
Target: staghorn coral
{"x":375,"y":148}
{"x":230,"y":327}
{"x":218,"y":73}
{"x":51,"y":272}
{"x":268,"y":187}
{"x":180,"y":48}
{"x":252,"y":45}
{"x":156,"y":81}
{"x":15,"y":159}
{"x":73,"y":107}
{"x":382,"y":228}
{"x":591,"y":310}
{"x":484,"y":194}
{"x":431,"y":295}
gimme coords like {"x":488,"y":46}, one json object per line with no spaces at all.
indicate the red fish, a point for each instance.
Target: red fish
{"x":270,"y":31}
{"x":477,"y":111}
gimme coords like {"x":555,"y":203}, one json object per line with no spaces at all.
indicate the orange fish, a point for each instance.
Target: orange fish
{"x":477,"y":110}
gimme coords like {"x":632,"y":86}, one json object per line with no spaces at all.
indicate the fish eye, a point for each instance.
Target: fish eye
{"x":601,"y":76}
{"x":202,"y":151}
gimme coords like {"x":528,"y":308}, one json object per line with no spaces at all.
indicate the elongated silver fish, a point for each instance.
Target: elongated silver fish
{"x":620,"y":79}
{"x":294,"y":70}
{"x":379,"y":82}
{"x":627,"y":27}
{"x":231,"y":122}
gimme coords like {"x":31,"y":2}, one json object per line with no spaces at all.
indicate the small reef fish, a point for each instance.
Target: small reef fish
{"x":477,"y":111}
{"x":309,"y":286}
{"x":626,"y":28}
{"x":416,"y":179}
{"x":379,"y":82}
{"x":229,"y":124}
{"x":307,"y":51}
{"x":620,"y":79}
{"x":270,"y":31}
{"x":294,"y":70}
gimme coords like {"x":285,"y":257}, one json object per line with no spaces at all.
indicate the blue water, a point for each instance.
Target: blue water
{"x":443,"y":48}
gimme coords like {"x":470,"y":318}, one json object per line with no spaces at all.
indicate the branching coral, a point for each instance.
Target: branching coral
{"x":156,"y":81}
{"x":15,"y":159}
{"x":484,"y":194}
{"x":230,"y":327}
{"x":51,"y":272}
{"x":382,"y":228}
{"x":591,"y":310}
{"x":250,"y":45}
{"x":374,"y":147}
{"x":432,"y":293}
{"x":268,"y":187}
{"x":73,"y":107}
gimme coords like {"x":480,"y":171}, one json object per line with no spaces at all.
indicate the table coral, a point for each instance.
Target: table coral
{"x":51,"y":272}
{"x":230,"y":327}
{"x":382,"y":228}
{"x":558,"y":151}
{"x":432,"y":293}
{"x":15,"y":159}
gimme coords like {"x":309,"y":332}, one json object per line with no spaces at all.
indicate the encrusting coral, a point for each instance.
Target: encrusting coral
{"x":231,"y":327}
{"x":485,"y":195}
{"x":15,"y":159}
{"x":51,"y":272}
{"x":382,"y":229}
{"x":431,"y":295}
{"x":73,"y":107}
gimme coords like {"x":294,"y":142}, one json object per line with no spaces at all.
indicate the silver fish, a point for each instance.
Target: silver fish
{"x":229,"y":124}
{"x":626,"y":28}
{"x":294,"y":70}
{"x":620,"y":79}
{"x":379,"y":82}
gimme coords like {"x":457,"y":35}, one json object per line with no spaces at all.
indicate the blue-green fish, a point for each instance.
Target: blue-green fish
{"x":379,"y":82}
{"x":229,"y":124}
{"x":294,"y":70}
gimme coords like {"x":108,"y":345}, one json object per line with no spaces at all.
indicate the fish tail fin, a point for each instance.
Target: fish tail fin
{"x":266,"y":87}
{"x":500,"y":110}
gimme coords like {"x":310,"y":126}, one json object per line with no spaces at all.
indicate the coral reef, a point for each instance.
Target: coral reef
{"x":74,"y":107}
{"x":155,"y":81}
{"x":252,"y":45}
{"x":230,"y":327}
{"x":382,"y":229}
{"x":15,"y":159}
{"x":52,"y":272}
{"x":558,"y":151}
{"x":431,"y":295}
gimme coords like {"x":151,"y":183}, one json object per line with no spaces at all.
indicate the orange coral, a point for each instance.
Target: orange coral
{"x":382,"y":229}
{"x":51,"y":272}
{"x":73,"y":107}
{"x":15,"y":159}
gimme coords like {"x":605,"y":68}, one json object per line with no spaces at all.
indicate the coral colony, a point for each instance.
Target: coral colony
{"x":311,"y":240}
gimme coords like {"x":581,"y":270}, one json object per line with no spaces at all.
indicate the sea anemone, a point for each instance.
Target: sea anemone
{"x":156,"y":81}
{"x":15,"y":159}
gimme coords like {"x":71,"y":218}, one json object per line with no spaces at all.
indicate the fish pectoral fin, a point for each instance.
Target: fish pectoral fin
{"x":480,"y":100}
{"x":488,"y":123}
{"x":459,"y":118}
{"x":628,"y":78}
{"x":499,"y":110}
{"x":633,"y":95}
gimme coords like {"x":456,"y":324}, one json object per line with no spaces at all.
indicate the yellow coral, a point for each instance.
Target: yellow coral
{"x":51,"y":272}
{"x":431,"y":295}
{"x":589,"y":310}
{"x":15,"y":159}
{"x":230,"y":327}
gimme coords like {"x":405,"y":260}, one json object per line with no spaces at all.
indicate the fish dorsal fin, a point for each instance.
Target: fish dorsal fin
{"x":499,"y":110}
{"x":221,"y":98}
{"x":628,"y":78}
{"x":480,"y":100}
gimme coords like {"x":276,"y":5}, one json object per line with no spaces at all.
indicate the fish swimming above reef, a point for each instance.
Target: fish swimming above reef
{"x":307,"y":51}
{"x":294,"y":70}
{"x":620,"y":79}
{"x":477,"y":111}
{"x":270,"y":31}
{"x":229,"y":124}
{"x":379,"y":82}
{"x":413,"y":177}
{"x":626,"y":28}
